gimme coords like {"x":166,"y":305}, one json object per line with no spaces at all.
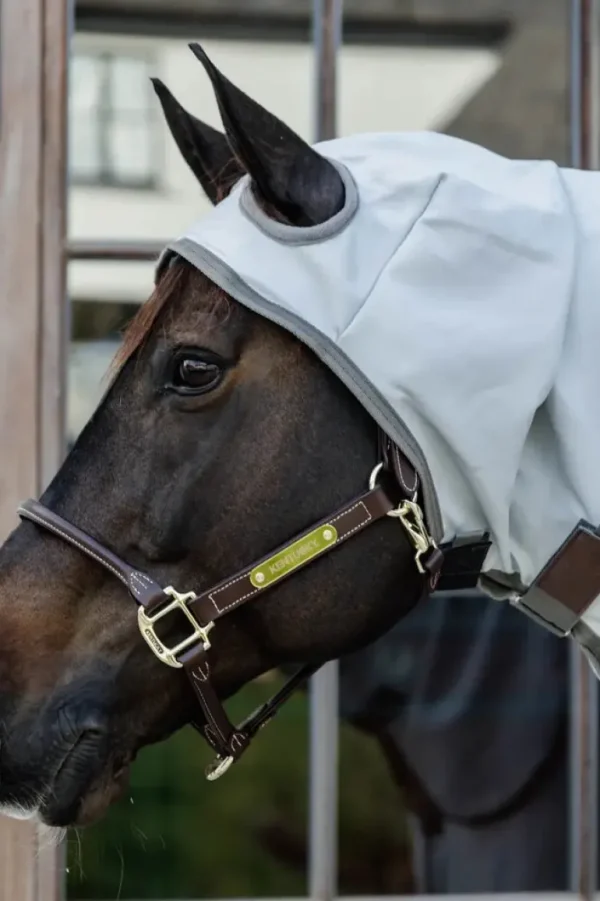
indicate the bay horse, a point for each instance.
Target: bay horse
{"x":222,"y":436}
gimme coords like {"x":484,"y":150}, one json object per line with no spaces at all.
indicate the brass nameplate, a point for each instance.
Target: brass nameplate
{"x":293,"y":556}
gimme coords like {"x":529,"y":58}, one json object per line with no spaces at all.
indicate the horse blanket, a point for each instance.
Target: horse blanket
{"x":456,"y":295}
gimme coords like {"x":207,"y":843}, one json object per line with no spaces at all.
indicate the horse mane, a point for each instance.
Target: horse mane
{"x":179,"y":279}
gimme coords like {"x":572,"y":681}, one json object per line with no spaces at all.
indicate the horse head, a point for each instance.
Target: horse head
{"x":220,"y":436}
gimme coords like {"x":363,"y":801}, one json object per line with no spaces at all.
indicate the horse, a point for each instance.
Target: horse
{"x":232,"y":484}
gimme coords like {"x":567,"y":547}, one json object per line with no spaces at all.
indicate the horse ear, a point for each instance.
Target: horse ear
{"x":206,"y":150}
{"x":299,"y":183}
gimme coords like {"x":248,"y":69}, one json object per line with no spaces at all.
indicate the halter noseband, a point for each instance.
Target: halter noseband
{"x":203,"y":610}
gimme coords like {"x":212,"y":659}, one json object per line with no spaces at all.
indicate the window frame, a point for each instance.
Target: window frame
{"x":106,"y":175}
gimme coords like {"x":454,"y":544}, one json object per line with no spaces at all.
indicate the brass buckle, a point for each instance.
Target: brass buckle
{"x":411,"y":516}
{"x":218,"y":768}
{"x":147,"y":622}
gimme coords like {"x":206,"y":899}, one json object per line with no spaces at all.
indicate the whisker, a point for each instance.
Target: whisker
{"x":122,"y":876}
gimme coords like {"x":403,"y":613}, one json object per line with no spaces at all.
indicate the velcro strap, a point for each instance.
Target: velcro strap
{"x":463,"y":561}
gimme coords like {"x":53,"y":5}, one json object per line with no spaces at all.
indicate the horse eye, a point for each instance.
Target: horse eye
{"x":193,"y":375}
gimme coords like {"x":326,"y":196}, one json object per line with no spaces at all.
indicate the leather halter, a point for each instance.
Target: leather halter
{"x":202,"y":610}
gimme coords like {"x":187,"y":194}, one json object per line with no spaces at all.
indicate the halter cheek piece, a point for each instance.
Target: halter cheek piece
{"x":203,"y":610}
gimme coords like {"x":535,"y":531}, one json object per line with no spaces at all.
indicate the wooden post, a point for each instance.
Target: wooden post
{"x":33,"y":92}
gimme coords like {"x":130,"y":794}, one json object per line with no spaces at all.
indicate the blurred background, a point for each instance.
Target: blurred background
{"x":432,"y":795}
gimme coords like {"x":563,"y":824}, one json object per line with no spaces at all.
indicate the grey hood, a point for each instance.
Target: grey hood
{"x":456,"y":296}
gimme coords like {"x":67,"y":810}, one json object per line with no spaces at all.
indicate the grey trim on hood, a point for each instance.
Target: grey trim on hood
{"x":330,"y":354}
{"x":311,"y":234}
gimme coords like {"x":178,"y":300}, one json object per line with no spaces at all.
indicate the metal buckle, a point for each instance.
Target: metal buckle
{"x":411,"y":516}
{"x":147,"y":622}
{"x":373,"y":476}
{"x":218,"y":768}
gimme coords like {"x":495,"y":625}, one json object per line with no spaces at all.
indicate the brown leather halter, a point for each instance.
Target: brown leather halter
{"x":202,"y":611}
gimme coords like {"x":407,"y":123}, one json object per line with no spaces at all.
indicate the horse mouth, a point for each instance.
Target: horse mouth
{"x":85,"y":784}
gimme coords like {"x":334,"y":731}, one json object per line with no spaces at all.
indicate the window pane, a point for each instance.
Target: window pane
{"x":130,"y":150}
{"x":84,"y":145}
{"x":85,"y":81}
{"x":111,"y":120}
{"x":128,"y":84}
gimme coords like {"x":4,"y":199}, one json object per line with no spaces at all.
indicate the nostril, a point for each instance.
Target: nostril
{"x":77,"y":767}
{"x":88,"y":744}
{"x":95,"y":725}
{"x":88,"y":740}
{"x":73,"y":725}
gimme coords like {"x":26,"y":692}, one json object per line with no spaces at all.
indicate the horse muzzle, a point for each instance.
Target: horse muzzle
{"x":55,"y":759}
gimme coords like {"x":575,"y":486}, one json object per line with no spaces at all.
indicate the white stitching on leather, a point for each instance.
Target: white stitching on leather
{"x":236,"y":743}
{"x":200,"y":674}
{"x":142,"y":577}
{"x":345,"y":513}
{"x":129,"y":581}
{"x":206,"y":707}
{"x":221,"y":610}
{"x":406,"y":487}
{"x":143,"y":580}
{"x":70,"y":540}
